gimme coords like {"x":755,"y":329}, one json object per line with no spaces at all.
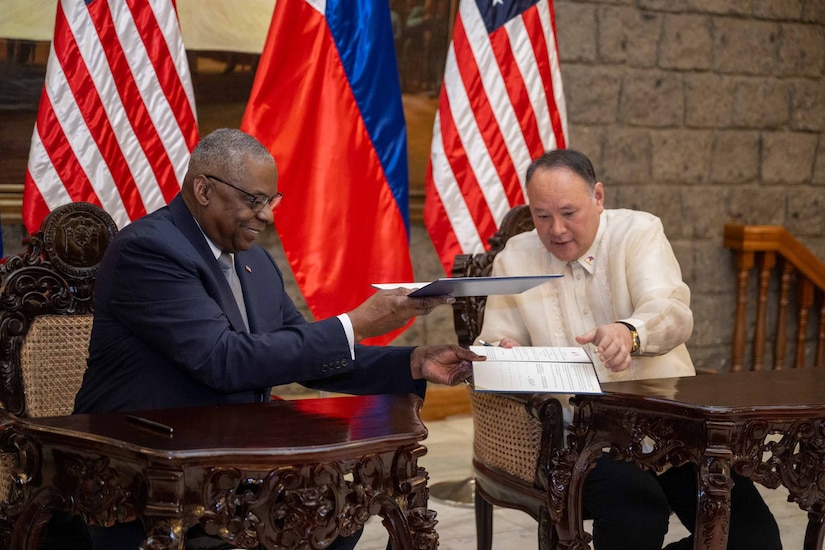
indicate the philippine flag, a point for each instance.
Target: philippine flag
{"x":327,"y":103}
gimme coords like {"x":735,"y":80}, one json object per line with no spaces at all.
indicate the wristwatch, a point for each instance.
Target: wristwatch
{"x":634,"y":335}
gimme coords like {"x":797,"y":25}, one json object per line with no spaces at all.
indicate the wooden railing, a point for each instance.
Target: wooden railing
{"x":782,"y":268}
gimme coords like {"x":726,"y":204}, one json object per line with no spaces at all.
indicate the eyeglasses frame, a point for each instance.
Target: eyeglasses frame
{"x":259,"y":200}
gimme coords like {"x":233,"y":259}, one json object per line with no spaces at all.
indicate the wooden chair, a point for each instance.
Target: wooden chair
{"x":46,"y":318}
{"x":514,"y":434}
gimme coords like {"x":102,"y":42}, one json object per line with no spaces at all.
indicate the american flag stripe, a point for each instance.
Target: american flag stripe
{"x":117,"y":120}
{"x":501,"y":105}
{"x":441,"y":175}
{"x":487,"y":134}
{"x":128,"y":63}
{"x":467,"y":185}
{"x":70,"y":110}
{"x":62,"y":132}
{"x":495,"y":85}
{"x":552,"y":108}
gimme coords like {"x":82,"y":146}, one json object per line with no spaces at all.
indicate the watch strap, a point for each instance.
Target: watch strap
{"x":634,"y":336}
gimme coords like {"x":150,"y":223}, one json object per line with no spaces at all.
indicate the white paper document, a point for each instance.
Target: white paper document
{"x":534,"y":369}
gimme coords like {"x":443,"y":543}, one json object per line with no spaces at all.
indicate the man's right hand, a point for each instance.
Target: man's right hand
{"x":388,"y":310}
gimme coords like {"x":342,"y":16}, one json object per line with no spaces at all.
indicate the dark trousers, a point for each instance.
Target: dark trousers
{"x":630,"y":508}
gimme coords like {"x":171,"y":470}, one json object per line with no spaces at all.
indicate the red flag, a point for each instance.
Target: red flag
{"x":327,"y":103}
{"x":116,"y":121}
{"x":501,"y":106}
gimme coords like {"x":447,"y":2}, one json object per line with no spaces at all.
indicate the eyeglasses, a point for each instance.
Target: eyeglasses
{"x":255,"y":201}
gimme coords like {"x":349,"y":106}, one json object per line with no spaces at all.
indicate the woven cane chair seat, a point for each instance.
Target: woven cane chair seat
{"x":513,"y":435}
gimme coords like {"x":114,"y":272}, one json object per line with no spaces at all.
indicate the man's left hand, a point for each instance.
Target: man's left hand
{"x":444,"y":364}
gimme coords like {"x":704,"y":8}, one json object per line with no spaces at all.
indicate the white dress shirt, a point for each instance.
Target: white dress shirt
{"x":629,"y":274}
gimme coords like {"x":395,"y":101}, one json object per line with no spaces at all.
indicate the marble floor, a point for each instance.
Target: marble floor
{"x":448,"y":459}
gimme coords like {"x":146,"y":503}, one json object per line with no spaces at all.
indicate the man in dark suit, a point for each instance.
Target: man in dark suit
{"x":168,"y":331}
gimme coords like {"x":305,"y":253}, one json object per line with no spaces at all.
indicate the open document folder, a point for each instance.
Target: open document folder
{"x":472,"y":286}
{"x":535,"y":369}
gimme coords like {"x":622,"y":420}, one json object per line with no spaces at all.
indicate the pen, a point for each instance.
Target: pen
{"x":151,"y":424}
{"x":485,"y":343}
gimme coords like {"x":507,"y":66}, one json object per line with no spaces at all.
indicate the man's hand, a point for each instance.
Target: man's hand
{"x":508,"y":342}
{"x":446,"y":364}
{"x":613,"y":343}
{"x":388,"y":310}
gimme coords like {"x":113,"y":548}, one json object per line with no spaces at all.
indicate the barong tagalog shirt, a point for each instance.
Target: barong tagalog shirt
{"x":629,"y":274}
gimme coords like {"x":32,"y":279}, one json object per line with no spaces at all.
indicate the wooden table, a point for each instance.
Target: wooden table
{"x":769,"y":426}
{"x":279,"y":474}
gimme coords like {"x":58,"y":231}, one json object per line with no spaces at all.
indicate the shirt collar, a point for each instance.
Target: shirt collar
{"x":212,"y":246}
{"x":588,"y":259}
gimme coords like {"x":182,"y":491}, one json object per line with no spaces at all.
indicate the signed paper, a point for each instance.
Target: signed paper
{"x":534,"y":369}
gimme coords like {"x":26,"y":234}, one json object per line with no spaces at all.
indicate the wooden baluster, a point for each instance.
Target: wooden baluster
{"x":781,"y":343}
{"x":820,"y":341}
{"x":744,"y":263}
{"x":806,"y":302}
{"x":766,"y":264}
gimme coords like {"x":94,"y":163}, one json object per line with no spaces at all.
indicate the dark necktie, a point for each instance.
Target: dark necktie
{"x":228,"y":268}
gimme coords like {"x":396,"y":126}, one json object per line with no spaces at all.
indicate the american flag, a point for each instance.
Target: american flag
{"x":116,"y":121}
{"x":501,"y":106}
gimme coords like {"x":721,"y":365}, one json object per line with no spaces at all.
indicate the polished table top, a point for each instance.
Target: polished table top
{"x":277,"y":428}
{"x":727,"y":393}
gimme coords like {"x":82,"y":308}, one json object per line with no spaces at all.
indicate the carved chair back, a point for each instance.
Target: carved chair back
{"x":513,"y":435}
{"x":46,"y":315}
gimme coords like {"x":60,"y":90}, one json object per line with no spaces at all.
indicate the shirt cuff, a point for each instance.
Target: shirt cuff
{"x":347,"y":324}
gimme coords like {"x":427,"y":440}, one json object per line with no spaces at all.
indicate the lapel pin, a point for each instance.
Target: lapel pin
{"x":248,"y":269}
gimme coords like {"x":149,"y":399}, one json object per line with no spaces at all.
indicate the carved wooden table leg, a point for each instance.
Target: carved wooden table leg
{"x":815,"y":533}
{"x":34,"y":516}
{"x":163,"y":534}
{"x":163,"y":515}
{"x":567,"y":476}
{"x":713,"y":511}
{"x":419,"y":524}
{"x":713,"y":516}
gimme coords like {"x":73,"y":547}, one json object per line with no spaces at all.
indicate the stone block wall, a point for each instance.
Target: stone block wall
{"x":704,"y":112}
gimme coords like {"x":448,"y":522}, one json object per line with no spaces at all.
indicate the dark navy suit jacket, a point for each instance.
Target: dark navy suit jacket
{"x":167,"y":331}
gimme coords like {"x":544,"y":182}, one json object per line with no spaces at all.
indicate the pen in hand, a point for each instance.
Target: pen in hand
{"x":485,"y":343}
